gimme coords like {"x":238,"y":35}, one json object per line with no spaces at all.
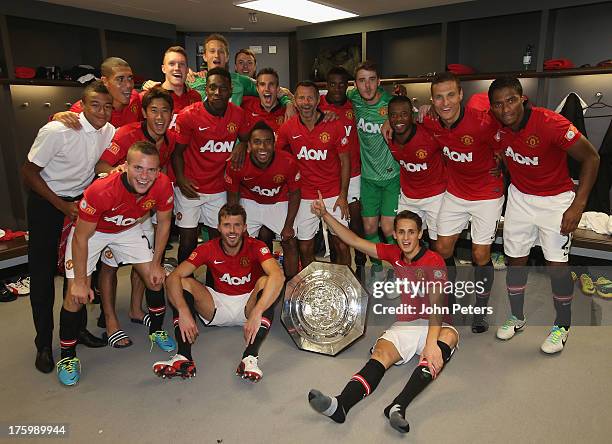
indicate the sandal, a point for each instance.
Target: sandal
{"x":114,"y":339}
{"x":146,"y":320}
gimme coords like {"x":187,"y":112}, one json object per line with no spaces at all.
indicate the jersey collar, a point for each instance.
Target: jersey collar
{"x":274,"y":108}
{"x":212,"y":111}
{"x":145,"y":131}
{"x":418,"y":256}
{"x":526,"y":116}
{"x":319,"y":120}
{"x":413,"y":131}
{"x":456,"y":122}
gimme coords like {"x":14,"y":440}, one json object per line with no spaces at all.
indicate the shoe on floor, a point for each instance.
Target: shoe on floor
{"x":69,"y":371}
{"x":603,"y":286}
{"x":44,"y":360}
{"x":586,"y":284}
{"x":115,"y":339}
{"x":555,"y":341}
{"x":163,"y":341}
{"x":21,"y":287}
{"x":510,"y":328}
{"x":177,"y":365}
{"x":248,"y":369}
{"x":6,"y":295}
{"x":89,"y":340}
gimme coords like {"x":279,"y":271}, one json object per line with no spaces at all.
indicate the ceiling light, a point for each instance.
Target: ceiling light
{"x":304,"y":10}
{"x":236,"y":28}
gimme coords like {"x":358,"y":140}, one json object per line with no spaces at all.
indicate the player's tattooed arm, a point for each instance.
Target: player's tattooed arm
{"x":233,"y":197}
{"x":585,"y":153}
{"x":345,"y":177}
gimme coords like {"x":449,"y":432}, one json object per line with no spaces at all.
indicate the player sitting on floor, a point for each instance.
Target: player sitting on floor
{"x":431,"y":336}
{"x":247,"y":282}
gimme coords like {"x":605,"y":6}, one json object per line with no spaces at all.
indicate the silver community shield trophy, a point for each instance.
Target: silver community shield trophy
{"x":324,"y":309}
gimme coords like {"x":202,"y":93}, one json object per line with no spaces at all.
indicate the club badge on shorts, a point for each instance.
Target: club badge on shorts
{"x":324,"y":308}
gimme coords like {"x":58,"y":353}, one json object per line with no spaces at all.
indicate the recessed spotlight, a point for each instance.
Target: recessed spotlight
{"x":236,"y":28}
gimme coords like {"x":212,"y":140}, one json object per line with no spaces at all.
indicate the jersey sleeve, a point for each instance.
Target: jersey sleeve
{"x":284,"y":100}
{"x":282,"y":138}
{"x":562,"y":132}
{"x":248,"y":85}
{"x":436,"y":272}
{"x":385,"y":252}
{"x":184,"y":127}
{"x":232,"y":179}
{"x":92,"y":205}
{"x":77,"y":107}
{"x":293,"y":179}
{"x":199,"y":85}
{"x":200,"y":256}
{"x":261,"y":251}
{"x":116,"y":153}
{"x":342,"y":142}
{"x":46,"y":146}
{"x":166,"y":194}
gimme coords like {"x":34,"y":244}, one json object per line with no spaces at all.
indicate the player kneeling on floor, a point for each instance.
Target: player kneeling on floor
{"x":431,"y":336}
{"x":108,"y":217}
{"x":247,"y":282}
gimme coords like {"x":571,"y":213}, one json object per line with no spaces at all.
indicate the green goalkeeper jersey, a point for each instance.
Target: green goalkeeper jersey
{"x":377,"y":163}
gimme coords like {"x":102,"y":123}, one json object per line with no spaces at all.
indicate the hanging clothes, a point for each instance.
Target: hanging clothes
{"x":599,"y":199}
{"x":572,"y":109}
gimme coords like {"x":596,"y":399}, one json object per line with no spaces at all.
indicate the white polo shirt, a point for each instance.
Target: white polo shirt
{"x":67,"y":156}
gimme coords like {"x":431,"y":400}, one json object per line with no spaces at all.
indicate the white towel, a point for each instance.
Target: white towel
{"x":600,"y":223}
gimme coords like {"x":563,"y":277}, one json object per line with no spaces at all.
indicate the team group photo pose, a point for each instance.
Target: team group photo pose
{"x":225,"y":208}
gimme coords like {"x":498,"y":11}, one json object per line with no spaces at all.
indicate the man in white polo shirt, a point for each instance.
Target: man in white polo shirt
{"x":60,"y":165}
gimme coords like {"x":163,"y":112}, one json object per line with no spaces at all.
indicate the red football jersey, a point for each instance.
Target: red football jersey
{"x":255,"y":112}
{"x":233,"y":275}
{"x":422,"y":172}
{"x":467,"y":145}
{"x":265,"y":186}
{"x":134,"y":132}
{"x":130,"y":113}
{"x":210,"y":140}
{"x":537,"y":153}
{"x":316,"y":152}
{"x":110,"y":204}
{"x":347,"y":117}
{"x":426,"y":271}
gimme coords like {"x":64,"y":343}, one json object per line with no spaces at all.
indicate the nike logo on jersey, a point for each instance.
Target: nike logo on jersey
{"x":203,"y":129}
{"x":248,"y":178}
{"x":295,"y":137}
{"x":216,"y":262}
{"x":254,"y":114}
{"x":398,"y":264}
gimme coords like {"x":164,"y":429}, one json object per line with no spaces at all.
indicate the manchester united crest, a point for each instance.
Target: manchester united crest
{"x":419,"y":273}
{"x":532,"y":141}
{"x":108,"y":254}
{"x":349,"y":114}
{"x":69,"y":264}
{"x":280,"y":120}
{"x":244,"y":262}
{"x":134,"y":109}
{"x":148,"y":204}
{"x":324,"y":137}
{"x":278,"y":178}
{"x":232,"y":127}
{"x":467,"y":140}
{"x":421,"y":154}
{"x":382,"y":111}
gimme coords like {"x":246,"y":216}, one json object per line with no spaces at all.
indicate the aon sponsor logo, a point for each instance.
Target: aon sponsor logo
{"x":369,"y":127}
{"x":456,"y":156}
{"x":121,"y":221}
{"x":413,"y":167}
{"x":268,"y":192}
{"x":520,"y":159}
{"x":217,"y":147}
{"x":232,"y":280}
{"x":312,"y":154}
